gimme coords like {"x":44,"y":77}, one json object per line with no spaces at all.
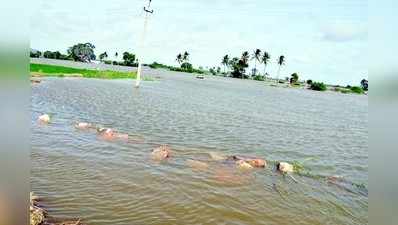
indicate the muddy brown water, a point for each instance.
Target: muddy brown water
{"x":115,"y":182}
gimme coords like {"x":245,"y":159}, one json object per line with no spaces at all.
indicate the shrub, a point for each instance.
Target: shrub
{"x":156,"y":65}
{"x":258,"y":77}
{"x":318,"y":86}
{"x":357,"y":90}
{"x":35,"y":54}
{"x":186,"y":66}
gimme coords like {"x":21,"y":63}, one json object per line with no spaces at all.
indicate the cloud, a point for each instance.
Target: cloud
{"x":344,"y":32}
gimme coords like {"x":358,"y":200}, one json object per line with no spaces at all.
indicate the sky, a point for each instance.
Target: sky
{"x":321,"y":40}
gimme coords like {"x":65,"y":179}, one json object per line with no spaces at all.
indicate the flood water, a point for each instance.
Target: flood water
{"x":116,"y":182}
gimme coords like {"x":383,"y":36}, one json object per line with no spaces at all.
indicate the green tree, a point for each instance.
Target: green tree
{"x":294,"y":78}
{"x":225,"y":61}
{"x":129,"y":59}
{"x":103,"y":56}
{"x":318,"y":86}
{"x":82,"y":52}
{"x":257,"y":58}
{"x":365,"y":84}
{"x":179,"y":58}
{"x":57,"y":55}
{"x":281,"y":62}
{"x":265,"y":59}
{"x":48,"y":54}
{"x":245,"y":57}
{"x":187,"y":66}
{"x":239,"y":65}
{"x":35,"y":54}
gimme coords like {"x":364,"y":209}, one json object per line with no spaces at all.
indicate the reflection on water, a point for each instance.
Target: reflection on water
{"x":116,"y":182}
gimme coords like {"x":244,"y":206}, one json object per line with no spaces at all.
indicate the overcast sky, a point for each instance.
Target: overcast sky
{"x":321,"y":39}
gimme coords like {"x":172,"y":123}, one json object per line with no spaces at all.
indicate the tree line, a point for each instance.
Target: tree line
{"x":232,"y":66}
{"x":84,"y":52}
{"x":236,"y":67}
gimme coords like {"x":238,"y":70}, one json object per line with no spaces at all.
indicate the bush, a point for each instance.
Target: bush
{"x":35,"y":54}
{"x":259,"y":78}
{"x":108,"y":62}
{"x":318,"y":86}
{"x":156,"y":65}
{"x":186,"y":66}
{"x":357,"y":90}
{"x":55,"y":55}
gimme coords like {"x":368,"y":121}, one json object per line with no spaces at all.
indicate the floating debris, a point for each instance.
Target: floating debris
{"x":39,"y":216}
{"x":45,"y":118}
{"x":35,"y":81}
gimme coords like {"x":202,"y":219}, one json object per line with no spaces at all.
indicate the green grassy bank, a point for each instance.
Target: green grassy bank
{"x":61,"y":71}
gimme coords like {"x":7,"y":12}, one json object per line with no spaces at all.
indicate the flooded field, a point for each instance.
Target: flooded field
{"x":116,"y":182}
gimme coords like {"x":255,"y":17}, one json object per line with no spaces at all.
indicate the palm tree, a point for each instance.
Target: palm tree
{"x":256,"y":57}
{"x":245,"y":57}
{"x":281,"y":62}
{"x":225,"y":61}
{"x":265,"y":59}
{"x":179,"y":58}
{"x":185,"y":56}
{"x":244,"y":61}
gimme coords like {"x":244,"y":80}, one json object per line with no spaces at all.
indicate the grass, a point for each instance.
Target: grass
{"x":61,"y":71}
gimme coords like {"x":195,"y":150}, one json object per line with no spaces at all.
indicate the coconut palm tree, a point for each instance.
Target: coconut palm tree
{"x":256,"y":57}
{"x":179,"y":58}
{"x":185,"y":57}
{"x":245,"y":57}
{"x":225,"y":61}
{"x":281,"y":62}
{"x":244,"y":62}
{"x":265,"y":59}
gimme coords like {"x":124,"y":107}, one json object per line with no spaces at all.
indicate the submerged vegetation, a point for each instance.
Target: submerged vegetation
{"x":61,"y":71}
